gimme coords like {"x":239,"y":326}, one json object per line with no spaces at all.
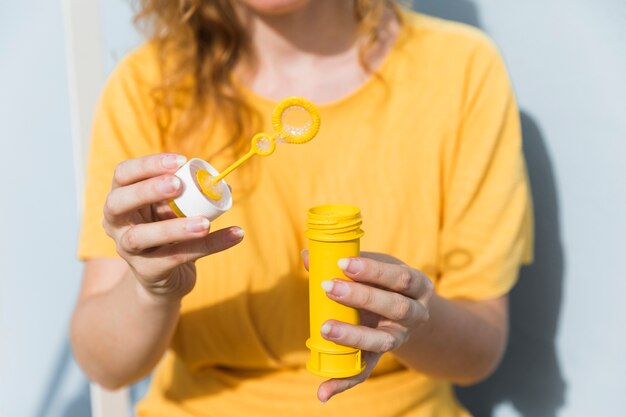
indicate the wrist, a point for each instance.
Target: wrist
{"x":149,"y":298}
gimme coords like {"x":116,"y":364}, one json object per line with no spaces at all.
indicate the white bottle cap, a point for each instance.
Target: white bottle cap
{"x":192,"y":201}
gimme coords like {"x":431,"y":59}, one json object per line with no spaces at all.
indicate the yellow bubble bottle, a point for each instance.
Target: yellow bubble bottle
{"x":334,"y":232}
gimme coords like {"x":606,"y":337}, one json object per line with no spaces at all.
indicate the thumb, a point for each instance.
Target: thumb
{"x":305,"y":258}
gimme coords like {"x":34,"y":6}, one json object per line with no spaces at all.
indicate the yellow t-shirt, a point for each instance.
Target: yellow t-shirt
{"x":432,"y":157}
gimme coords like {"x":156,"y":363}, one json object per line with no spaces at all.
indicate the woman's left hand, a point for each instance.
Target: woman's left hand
{"x":393,"y":300}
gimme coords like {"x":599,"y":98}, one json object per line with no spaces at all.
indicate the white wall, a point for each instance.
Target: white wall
{"x":119,"y":35}
{"x":38,"y":217}
{"x":568,"y":345}
{"x":567,"y":354}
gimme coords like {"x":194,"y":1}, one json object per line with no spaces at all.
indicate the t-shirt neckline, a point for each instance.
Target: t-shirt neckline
{"x":380,"y":72}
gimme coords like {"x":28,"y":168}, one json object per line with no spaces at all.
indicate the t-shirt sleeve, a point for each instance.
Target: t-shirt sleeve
{"x":487,"y":217}
{"x":125,"y":126}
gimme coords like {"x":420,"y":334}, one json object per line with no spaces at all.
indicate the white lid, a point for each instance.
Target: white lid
{"x":192,"y":201}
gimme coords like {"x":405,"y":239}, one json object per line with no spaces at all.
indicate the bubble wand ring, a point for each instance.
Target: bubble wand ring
{"x":291,"y":134}
{"x":264,"y":144}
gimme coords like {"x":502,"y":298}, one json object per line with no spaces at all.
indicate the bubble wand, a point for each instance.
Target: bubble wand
{"x":295,"y":120}
{"x":264,"y":144}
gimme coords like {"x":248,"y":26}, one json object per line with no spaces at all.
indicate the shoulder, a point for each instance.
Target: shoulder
{"x":446,"y":40}
{"x":137,"y":74}
{"x":447,"y":60}
{"x":133,"y":90}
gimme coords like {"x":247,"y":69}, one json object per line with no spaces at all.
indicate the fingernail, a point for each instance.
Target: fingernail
{"x":173,"y":161}
{"x":339,"y":288}
{"x":303,"y":252}
{"x":328,"y":286}
{"x":351,"y":265}
{"x":235,"y":234}
{"x":198,"y":224}
{"x":343,"y":263}
{"x":169,"y":185}
{"x":327,"y":329}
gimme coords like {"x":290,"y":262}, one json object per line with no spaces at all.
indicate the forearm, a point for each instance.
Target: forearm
{"x":119,"y":335}
{"x":462,"y":341}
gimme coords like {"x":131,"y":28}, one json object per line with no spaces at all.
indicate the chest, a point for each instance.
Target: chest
{"x":256,"y":294}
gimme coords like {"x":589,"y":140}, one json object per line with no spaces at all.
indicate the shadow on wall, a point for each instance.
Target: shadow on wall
{"x":54,"y":402}
{"x":78,"y":405}
{"x":529,"y":376}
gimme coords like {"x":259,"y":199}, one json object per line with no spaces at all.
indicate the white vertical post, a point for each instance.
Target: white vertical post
{"x":85,"y":66}
{"x":105,"y":403}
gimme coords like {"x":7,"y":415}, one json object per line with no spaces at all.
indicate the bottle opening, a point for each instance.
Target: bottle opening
{"x":334,"y":222}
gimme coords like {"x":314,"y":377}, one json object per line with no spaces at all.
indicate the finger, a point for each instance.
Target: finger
{"x":391,"y":305}
{"x":163,"y":211}
{"x":305,"y":258}
{"x":362,"y":337}
{"x":144,"y":236}
{"x":398,"y":278}
{"x":122,"y":200}
{"x":331,"y":387}
{"x":181,"y":253}
{"x":134,"y":170}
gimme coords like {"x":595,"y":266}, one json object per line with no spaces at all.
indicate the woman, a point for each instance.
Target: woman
{"x":419,"y":129}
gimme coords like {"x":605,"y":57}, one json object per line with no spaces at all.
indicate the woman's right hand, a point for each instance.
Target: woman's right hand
{"x":159,"y":247}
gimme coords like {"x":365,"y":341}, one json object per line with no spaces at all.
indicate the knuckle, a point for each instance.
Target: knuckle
{"x":156,"y":185}
{"x":388,"y":344}
{"x":405,"y":279}
{"x":428,"y":285}
{"x":379,"y":270}
{"x":360,"y":340}
{"x":402,"y":310}
{"x":118,"y":173}
{"x":367,"y":297}
{"x":110,"y":206}
{"x":120,"y":250}
{"x":422,"y":312}
{"x":149,"y":164}
{"x":107,"y":227}
{"x":147,"y":191}
{"x":131,"y":241}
